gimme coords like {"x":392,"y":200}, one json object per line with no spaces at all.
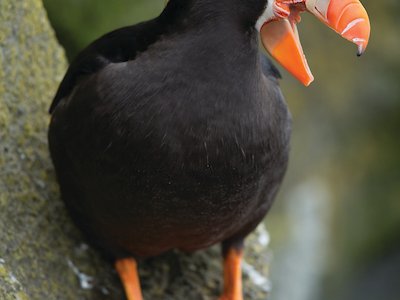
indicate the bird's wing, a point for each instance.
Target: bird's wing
{"x":117,"y":46}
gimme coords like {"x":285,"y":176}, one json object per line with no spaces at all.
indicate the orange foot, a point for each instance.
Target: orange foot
{"x":232,"y":275}
{"x":127,"y":270}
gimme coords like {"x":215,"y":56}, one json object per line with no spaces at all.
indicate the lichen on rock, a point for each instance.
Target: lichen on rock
{"x":36,"y":234}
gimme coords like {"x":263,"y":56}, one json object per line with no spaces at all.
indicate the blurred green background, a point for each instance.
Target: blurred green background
{"x":336,"y":225}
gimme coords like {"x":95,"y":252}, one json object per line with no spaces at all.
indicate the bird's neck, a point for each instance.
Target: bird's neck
{"x":229,"y":23}
{"x":238,"y":13}
{"x":216,"y":36}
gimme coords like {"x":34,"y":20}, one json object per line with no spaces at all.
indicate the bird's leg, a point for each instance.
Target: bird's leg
{"x":127,"y":270}
{"x":232,"y":272}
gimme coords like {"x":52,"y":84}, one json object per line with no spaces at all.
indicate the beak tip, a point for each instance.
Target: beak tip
{"x":307,"y":80}
{"x":361,"y":50}
{"x":307,"y":83}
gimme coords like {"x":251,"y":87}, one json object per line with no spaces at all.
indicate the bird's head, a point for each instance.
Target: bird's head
{"x":276,"y":21}
{"x":280,"y":38}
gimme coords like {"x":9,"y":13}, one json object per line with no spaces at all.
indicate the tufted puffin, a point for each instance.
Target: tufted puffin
{"x":174,"y":134}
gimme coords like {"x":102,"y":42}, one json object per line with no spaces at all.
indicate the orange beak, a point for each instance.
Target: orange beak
{"x":280,"y":37}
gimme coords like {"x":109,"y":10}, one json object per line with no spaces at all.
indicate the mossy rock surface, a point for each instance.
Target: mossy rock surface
{"x":42,"y":254}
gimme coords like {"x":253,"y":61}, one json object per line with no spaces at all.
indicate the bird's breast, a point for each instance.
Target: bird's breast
{"x":172,"y":152}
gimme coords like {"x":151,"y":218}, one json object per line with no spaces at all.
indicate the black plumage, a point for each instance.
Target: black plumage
{"x":172,"y":133}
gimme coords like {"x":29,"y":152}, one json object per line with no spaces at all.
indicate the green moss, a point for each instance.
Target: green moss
{"x":21,"y":296}
{"x":3,"y":272}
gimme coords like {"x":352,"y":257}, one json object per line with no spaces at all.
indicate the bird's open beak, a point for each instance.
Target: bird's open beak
{"x":280,"y":37}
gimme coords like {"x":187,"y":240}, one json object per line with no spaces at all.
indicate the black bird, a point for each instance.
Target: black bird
{"x":173,"y":133}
